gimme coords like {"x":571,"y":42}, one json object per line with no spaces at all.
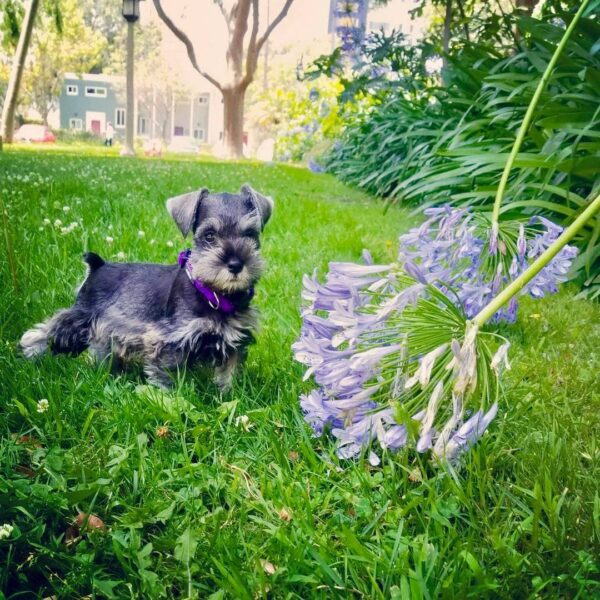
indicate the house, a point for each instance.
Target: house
{"x":88,"y":102}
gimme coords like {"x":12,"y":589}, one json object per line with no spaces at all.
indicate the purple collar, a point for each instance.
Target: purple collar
{"x":216,"y":301}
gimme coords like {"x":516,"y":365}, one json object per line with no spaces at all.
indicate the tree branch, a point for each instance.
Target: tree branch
{"x":274,"y":23}
{"x":219,"y":3}
{"x":235,"y":52}
{"x":465,"y":23}
{"x":252,"y":56}
{"x":180,"y":35}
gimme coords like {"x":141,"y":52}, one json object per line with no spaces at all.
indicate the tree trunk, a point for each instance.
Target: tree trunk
{"x":527,"y":6}
{"x":447,"y":30}
{"x":446,"y":41}
{"x":14,"y":83}
{"x":233,"y":121}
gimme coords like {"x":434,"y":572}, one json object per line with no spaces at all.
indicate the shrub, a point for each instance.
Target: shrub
{"x":449,"y":144}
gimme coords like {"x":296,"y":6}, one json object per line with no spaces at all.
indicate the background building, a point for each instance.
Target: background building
{"x":88,"y":102}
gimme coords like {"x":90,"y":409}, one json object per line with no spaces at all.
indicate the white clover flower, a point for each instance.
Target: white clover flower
{"x":40,"y":228}
{"x":57,"y":223}
{"x":243,"y":422}
{"x":121,"y":255}
{"x":5,"y":531}
{"x":152,"y":242}
{"x":110,"y":227}
{"x":141,"y":233}
{"x":109,"y":240}
{"x":47,"y":221}
{"x":68,"y":228}
{"x":170,"y":244}
{"x":43,"y":405}
{"x":66,"y":209}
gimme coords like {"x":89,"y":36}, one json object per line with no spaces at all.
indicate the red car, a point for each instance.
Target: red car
{"x":34,"y":133}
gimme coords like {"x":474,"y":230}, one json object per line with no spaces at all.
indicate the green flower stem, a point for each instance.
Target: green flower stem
{"x":531,"y":109}
{"x":515,"y":287}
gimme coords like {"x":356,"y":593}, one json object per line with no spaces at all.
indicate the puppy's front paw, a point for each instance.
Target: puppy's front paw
{"x":158,"y":376}
{"x":225,"y":372}
{"x":223,"y":380}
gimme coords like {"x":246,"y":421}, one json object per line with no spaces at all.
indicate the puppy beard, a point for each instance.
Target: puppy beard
{"x":208,"y":267}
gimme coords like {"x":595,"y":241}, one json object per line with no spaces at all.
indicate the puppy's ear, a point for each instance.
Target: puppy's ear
{"x":264,"y":204}
{"x":185,"y":208}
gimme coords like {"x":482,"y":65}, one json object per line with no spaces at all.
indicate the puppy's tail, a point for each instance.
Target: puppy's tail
{"x":35,"y":341}
{"x":93,"y":261}
{"x":67,"y":332}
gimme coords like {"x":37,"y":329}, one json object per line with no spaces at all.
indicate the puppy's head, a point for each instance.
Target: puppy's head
{"x":226,"y":230}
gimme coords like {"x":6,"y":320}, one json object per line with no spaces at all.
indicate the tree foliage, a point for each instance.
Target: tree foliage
{"x":57,"y":49}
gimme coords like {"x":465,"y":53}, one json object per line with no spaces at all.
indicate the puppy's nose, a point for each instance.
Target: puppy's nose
{"x":235,"y":265}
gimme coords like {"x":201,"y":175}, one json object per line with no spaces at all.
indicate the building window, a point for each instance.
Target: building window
{"x":72,"y":90}
{"x":120,"y":118}
{"x":76,"y":124}
{"x":142,"y":123}
{"x":199,"y":134}
{"x":203,"y":99}
{"x":95,"y":92}
{"x":178,"y":130}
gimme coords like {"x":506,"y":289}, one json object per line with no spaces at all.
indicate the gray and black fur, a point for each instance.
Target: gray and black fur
{"x":152,"y":313}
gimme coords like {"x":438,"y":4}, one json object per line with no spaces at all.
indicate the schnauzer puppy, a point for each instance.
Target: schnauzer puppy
{"x":167,"y":316}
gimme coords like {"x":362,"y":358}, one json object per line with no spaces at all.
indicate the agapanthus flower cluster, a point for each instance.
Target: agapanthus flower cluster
{"x":459,"y":251}
{"x":395,"y":358}
{"x":376,"y":381}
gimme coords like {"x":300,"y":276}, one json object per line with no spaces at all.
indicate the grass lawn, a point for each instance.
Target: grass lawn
{"x":208,"y":507}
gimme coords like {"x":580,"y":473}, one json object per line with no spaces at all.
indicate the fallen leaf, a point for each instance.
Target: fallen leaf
{"x":285,"y":515}
{"x":268,"y":567}
{"x":85,"y":521}
{"x":72,"y":535}
{"x":27,"y":440}
{"x":162,"y":432}
{"x":415,"y":475}
{"x":25,"y":470}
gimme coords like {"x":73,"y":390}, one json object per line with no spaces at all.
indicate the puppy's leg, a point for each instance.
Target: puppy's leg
{"x":224,"y":373}
{"x":102,"y":354}
{"x":157,"y":375}
{"x":67,"y":332}
{"x":99,"y":351}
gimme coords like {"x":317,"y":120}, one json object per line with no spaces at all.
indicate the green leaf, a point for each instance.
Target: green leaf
{"x":185,"y":547}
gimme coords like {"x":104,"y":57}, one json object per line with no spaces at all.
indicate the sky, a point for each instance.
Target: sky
{"x":305,"y":27}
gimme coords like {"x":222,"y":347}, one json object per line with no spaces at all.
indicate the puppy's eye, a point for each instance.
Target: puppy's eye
{"x":251,"y":233}
{"x":210,"y":236}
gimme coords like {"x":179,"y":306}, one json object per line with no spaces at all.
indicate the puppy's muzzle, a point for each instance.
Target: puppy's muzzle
{"x":234,"y":265}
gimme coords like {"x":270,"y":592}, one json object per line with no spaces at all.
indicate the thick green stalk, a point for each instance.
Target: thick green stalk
{"x":530,"y":110}
{"x":515,"y":287}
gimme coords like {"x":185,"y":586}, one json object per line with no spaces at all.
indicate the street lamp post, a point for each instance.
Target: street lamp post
{"x":131,"y":13}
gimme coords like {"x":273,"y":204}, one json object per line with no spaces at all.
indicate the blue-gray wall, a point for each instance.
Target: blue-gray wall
{"x":167,"y":121}
{"x":75,"y":107}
